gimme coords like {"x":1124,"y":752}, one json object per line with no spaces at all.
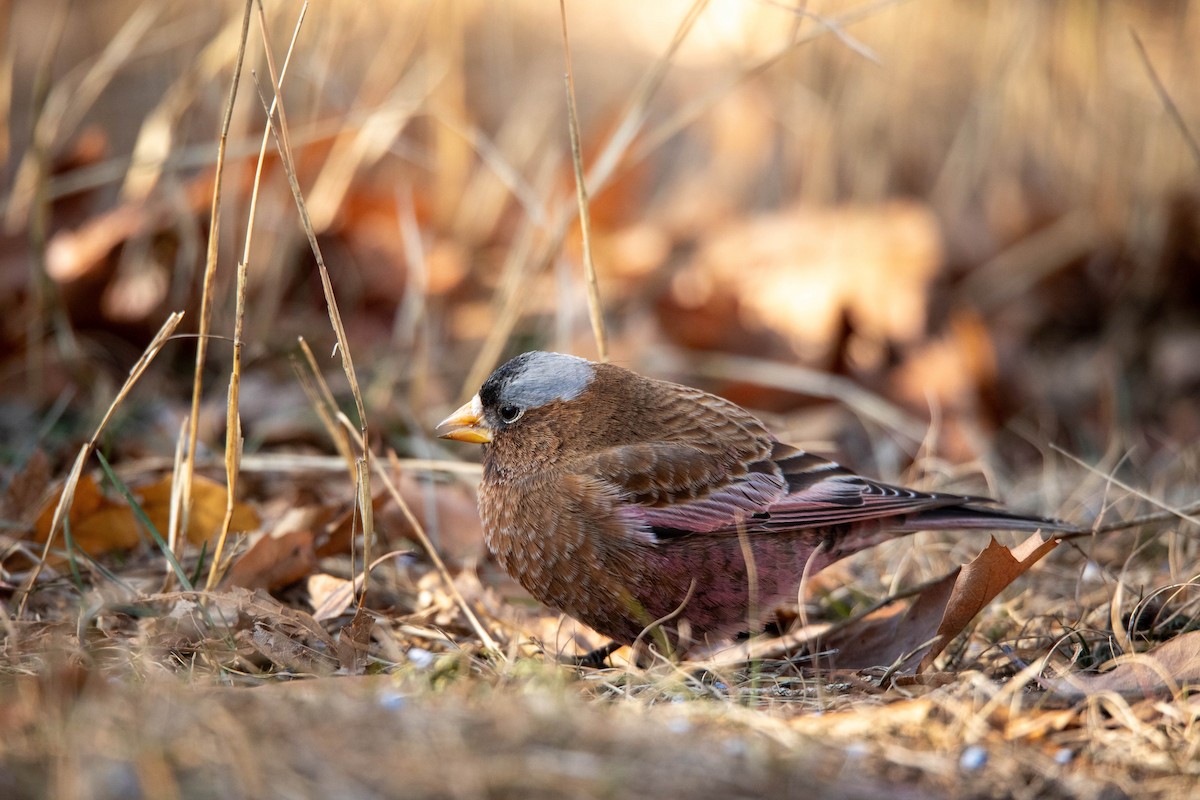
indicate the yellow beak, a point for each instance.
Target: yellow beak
{"x":466,"y":424}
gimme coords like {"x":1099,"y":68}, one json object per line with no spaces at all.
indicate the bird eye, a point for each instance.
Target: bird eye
{"x":509,"y":413}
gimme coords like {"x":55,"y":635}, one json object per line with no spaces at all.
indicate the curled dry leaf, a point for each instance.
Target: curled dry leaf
{"x":911,"y":638}
{"x":285,"y":554}
{"x":980,"y":581}
{"x":329,"y":595}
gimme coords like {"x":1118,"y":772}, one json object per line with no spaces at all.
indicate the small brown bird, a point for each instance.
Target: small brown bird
{"x":636,"y":505}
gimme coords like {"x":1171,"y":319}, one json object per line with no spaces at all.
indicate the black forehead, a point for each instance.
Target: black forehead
{"x":535,"y":378}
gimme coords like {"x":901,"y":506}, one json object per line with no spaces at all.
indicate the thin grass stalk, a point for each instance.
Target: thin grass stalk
{"x":233,"y":420}
{"x":72,"y":482}
{"x":280,"y":131}
{"x":321,"y":396}
{"x":595,"y":308}
{"x":206,"y":299}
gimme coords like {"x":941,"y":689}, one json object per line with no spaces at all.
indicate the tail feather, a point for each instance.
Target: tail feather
{"x":967,"y":517}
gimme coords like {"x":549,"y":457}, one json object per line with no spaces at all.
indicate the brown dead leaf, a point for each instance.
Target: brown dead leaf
{"x":329,"y":595}
{"x":208,"y":509}
{"x":1163,"y":670}
{"x":353,"y":642}
{"x":287,"y":637}
{"x":916,"y":635}
{"x":25,"y":492}
{"x":980,"y":581}
{"x":894,"y":632}
{"x":274,"y":561}
{"x":339,"y":533}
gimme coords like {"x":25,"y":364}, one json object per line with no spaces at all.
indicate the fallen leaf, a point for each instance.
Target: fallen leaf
{"x":911,"y":637}
{"x":353,"y":642}
{"x":1163,"y":670}
{"x":287,"y":637}
{"x":893,"y":633}
{"x":340,"y":532}
{"x":97,"y":523}
{"x":329,"y":595}
{"x":274,"y":561}
{"x":207,"y":512}
{"x":981,"y":580}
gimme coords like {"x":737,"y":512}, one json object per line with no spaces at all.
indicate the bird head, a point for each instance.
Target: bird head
{"x":518,"y":395}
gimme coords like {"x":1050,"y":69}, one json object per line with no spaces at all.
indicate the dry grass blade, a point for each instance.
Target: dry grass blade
{"x":280,"y":131}
{"x":322,"y":400}
{"x":1165,"y":97}
{"x":64,"y":503}
{"x":1185,"y":513}
{"x":595,"y":309}
{"x":233,"y":421}
{"x":206,"y":295}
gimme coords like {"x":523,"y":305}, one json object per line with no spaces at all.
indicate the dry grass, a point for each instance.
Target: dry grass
{"x":427,"y":151}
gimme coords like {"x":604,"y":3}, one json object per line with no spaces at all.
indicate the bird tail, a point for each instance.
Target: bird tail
{"x":967,"y":517}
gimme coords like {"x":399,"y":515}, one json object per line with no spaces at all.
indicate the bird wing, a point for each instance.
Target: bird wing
{"x":673,"y":489}
{"x":687,"y":488}
{"x":821,"y":492}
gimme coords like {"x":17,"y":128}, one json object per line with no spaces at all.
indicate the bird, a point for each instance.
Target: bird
{"x":665,"y":516}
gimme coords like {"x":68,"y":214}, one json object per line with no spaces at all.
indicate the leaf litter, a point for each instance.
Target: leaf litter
{"x":1001,"y":678}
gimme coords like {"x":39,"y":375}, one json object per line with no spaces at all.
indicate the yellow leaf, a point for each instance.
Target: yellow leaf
{"x":208,"y":509}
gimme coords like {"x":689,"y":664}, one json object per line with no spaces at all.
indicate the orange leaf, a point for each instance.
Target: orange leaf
{"x":980,"y":581}
{"x":98,"y":524}
{"x":208,"y":509}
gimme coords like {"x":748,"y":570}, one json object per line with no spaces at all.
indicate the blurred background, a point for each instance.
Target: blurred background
{"x":950,"y":231}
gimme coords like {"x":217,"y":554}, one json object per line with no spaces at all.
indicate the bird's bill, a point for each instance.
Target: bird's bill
{"x":466,"y":424}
